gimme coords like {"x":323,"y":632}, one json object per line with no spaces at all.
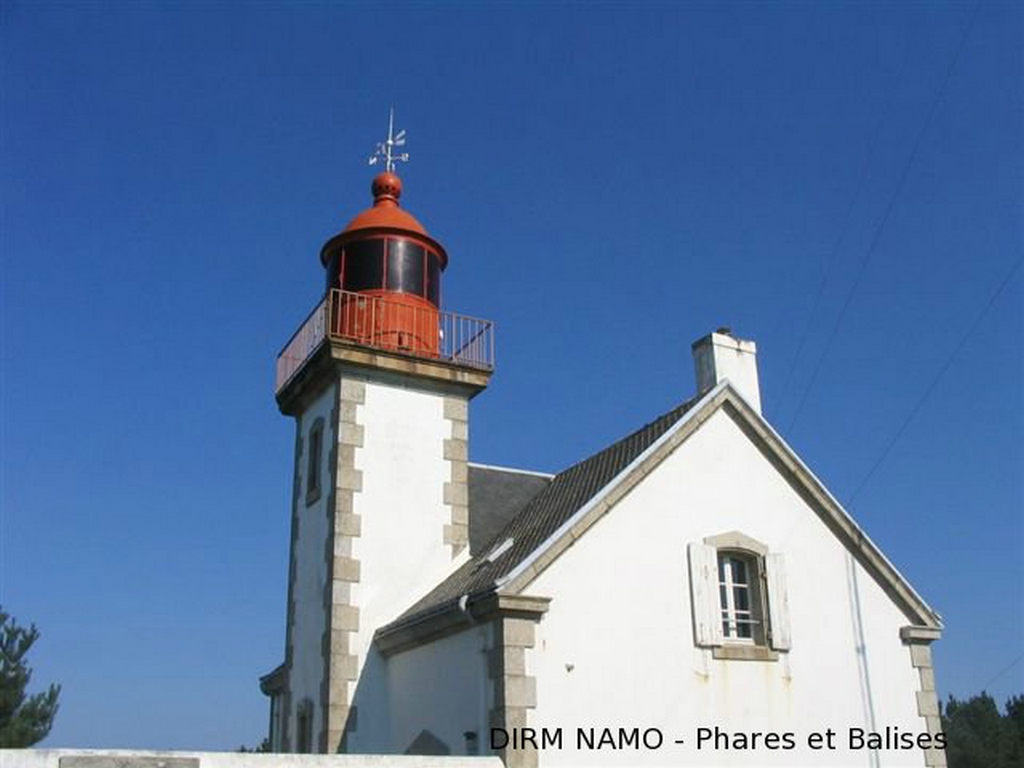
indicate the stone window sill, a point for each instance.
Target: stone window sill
{"x":744,"y":653}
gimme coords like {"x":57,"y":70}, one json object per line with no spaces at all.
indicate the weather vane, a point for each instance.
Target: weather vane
{"x":385,"y":149}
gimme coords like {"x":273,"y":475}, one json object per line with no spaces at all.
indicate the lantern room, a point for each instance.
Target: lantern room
{"x":387,"y":270}
{"x":382,"y":303}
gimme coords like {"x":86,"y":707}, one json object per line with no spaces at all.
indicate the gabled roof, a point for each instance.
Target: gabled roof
{"x":541,"y":516}
{"x":582,"y":494}
{"x":496,"y":495}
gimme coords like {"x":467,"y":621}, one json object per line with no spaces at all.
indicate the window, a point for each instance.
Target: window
{"x":737,"y":589}
{"x":316,"y":439}
{"x":740,"y":598}
{"x":405,"y":267}
{"x":433,"y":279}
{"x":363,"y":268}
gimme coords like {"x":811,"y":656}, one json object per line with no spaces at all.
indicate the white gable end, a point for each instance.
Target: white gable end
{"x":620,"y":636}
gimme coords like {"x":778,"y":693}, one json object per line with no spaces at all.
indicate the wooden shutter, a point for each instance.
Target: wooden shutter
{"x":707,"y":610}
{"x":778,"y":604}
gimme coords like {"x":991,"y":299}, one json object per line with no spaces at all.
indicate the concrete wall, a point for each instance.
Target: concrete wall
{"x":310,"y":570}
{"x":617,"y":646}
{"x":91,"y":758}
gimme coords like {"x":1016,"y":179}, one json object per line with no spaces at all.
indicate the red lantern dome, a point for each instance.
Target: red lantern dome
{"x":387,"y":270}
{"x":382,"y":305}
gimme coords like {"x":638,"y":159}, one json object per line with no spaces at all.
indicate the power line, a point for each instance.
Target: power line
{"x":861,"y":179}
{"x":885,"y":216}
{"x":938,"y":377}
{"x":1004,"y":670}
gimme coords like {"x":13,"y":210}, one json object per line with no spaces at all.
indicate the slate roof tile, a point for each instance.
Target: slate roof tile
{"x":496,"y":495}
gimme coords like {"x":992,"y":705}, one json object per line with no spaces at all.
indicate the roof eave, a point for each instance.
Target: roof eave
{"x":456,"y":616}
{"x":274,"y":681}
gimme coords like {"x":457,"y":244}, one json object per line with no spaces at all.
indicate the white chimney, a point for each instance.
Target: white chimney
{"x":719,"y":356}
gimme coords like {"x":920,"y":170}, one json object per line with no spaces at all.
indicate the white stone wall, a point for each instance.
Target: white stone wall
{"x":50,"y":758}
{"x":401,"y":504}
{"x":310,"y":571}
{"x":442,"y":687}
{"x":719,"y":357}
{"x":401,"y":549}
{"x":616,"y":648}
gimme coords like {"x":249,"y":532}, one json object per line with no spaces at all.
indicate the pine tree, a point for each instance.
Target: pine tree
{"x":24,"y":720}
{"x":980,"y":737}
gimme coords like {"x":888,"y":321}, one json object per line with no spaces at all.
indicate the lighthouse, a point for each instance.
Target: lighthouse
{"x":437,"y":607}
{"x":378,"y":380}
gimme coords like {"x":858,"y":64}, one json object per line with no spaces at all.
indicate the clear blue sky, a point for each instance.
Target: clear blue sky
{"x":840,"y":182}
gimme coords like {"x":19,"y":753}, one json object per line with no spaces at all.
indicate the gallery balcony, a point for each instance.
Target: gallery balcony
{"x":391,"y":331}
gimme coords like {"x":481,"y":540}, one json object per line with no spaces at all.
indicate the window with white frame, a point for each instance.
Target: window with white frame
{"x":738,"y":594}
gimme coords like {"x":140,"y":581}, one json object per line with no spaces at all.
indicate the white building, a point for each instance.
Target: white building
{"x":692,"y":582}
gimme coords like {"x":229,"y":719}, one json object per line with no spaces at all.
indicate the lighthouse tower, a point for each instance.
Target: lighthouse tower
{"x":378,"y":379}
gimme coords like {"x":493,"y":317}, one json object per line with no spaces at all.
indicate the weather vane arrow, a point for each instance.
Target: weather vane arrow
{"x":385,"y":151}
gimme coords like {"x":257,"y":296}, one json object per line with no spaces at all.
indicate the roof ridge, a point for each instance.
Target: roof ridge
{"x":675,"y":413}
{"x":510,"y":470}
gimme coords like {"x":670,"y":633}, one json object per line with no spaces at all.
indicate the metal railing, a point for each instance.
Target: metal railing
{"x":395,"y":324}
